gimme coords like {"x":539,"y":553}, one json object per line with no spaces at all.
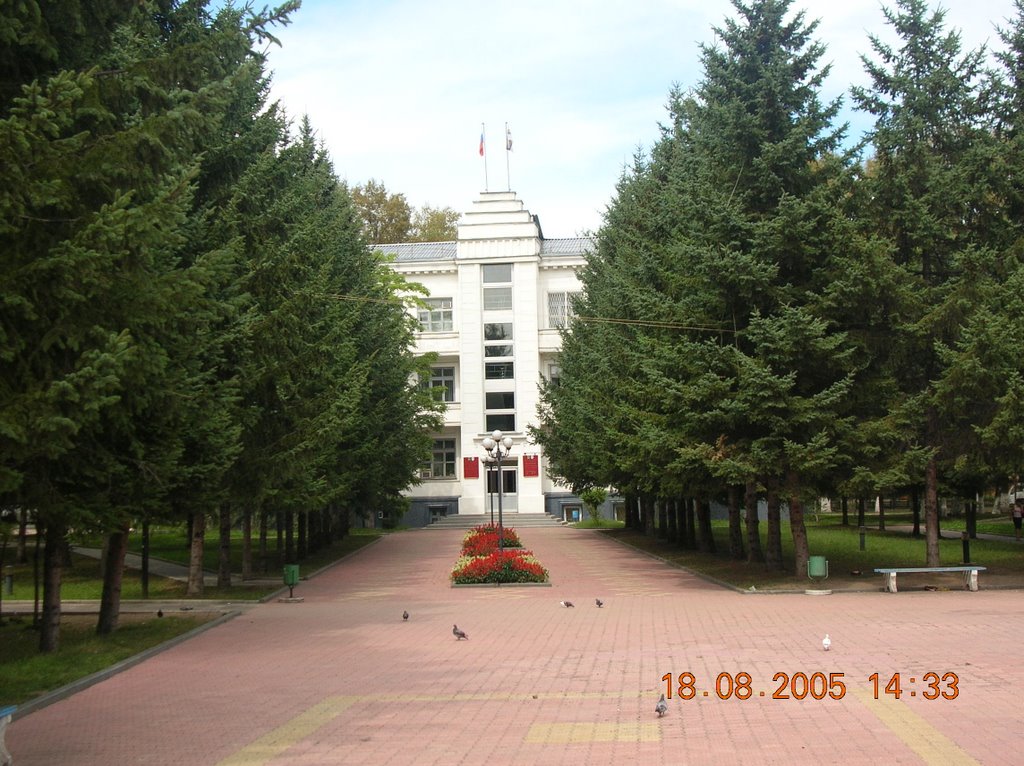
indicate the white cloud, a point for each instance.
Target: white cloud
{"x":397,"y":89}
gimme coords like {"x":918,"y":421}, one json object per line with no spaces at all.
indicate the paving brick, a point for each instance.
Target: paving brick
{"x":340,"y":678}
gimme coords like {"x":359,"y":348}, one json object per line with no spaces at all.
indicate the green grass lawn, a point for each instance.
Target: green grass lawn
{"x":81,"y":581}
{"x":26,"y":674}
{"x":841,"y":547}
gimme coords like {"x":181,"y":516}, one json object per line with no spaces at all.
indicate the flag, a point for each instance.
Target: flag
{"x":481,"y":144}
{"x":508,"y":140}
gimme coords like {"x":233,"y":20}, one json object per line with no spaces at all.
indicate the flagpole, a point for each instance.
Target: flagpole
{"x":483,"y":153}
{"x":508,"y":151}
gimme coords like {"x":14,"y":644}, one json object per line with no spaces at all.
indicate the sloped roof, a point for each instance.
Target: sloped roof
{"x":406,"y":252}
{"x":566,"y":246}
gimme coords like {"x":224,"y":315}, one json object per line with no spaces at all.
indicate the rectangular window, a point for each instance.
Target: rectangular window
{"x":498,"y":331}
{"x":500,"y":400}
{"x":498,"y":349}
{"x":499,"y":371}
{"x":554,"y":374}
{"x":506,"y":422}
{"x":508,"y":480}
{"x":441,"y":383}
{"x":436,"y":315}
{"x":442,"y":461}
{"x":497,"y":272}
{"x":497,"y":298}
{"x":559,"y":309}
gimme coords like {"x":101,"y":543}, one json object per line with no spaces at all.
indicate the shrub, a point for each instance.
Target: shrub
{"x":499,"y":567}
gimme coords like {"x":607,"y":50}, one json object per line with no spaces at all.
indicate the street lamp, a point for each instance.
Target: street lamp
{"x":488,"y":462}
{"x":497,"y":448}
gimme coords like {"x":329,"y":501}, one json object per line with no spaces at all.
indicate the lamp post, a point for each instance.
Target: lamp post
{"x":497,"y":448}
{"x":488,"y":461}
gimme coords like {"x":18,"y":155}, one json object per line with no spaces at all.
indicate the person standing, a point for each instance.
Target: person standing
{"x":1018,"y":516}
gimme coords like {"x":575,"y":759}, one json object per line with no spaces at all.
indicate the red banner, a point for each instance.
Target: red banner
{"x":531,"y":465}
{"x":470,"y":468}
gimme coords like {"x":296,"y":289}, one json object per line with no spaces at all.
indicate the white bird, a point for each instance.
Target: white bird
{"x":662,"y":707}
{"x":567,"y":604}
{"x":826,"y":643}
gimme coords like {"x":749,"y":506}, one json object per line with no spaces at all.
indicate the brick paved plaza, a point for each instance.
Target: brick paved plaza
{"x":341,"y":679}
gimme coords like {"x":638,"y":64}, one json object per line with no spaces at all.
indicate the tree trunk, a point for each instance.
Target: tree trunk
{"x":705,"y":537}
{"x":881,"y":513}
{"x":754,"y":553}
{"x":113,"y":575}
{"x":662,"y":507}
{"x":279,"y":542}
{"x":289,"y":538}
{"x":647,"y":505}
{"x":801,"y":551}
{"x":672,"y":528}
{"x":53,"y":560}
{"x":861,"y":509}
{"x":246,"y":544}
{"x":690,"y":524}
{"x":931,"y":512}
{"x":303,"y":536}
{"x":145,"y":558}
{"x":22,"y":553}
{"x":735,"y":524}
{"x":846,"y":511}
{"x":773,"y":544}
{"x":264,"y":564}
{"x":196,"y":581}
{"x":972,"y":518}
{"x":224,"y":538}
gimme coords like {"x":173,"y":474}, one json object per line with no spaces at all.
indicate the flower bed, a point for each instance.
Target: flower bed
{"x":508,"y":566}
{"x":483,"y":540}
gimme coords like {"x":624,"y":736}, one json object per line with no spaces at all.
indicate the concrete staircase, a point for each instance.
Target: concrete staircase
{"x":508,"y":519}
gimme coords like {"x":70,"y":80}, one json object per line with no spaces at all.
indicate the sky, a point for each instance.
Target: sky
{"x":398,"y":90}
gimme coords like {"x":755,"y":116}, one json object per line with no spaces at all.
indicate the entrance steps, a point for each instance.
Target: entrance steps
{"x":508,"y":519}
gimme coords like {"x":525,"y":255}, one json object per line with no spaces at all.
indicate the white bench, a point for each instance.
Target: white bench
{"x":970,"y":573}
{"x":5,"y":718}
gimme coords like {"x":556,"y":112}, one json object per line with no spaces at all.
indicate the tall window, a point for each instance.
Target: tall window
{"x":559,"y":309}
{"x":441,"y":383}
{"x":442,"y":461}
{"x":509,"y":475}
{"x":436,"y":316}
{"x":497,"y":279}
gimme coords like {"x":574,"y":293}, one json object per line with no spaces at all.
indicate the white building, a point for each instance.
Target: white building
{"x":498,"y":296}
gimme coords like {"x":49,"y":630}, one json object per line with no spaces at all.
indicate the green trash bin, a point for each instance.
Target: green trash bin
{"x":291,"y":574}
{"x":817,"y":568}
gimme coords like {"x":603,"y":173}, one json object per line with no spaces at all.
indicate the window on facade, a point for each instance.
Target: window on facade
{"x":500,"y":400}
{"x":502,"y":421}
{"x":498,"y":349}
{"x":497,"y":331}
{"x":499,"y":371}
{"x":559,"y":309}
{"x":441,"y":383}
{"x":508,"y":480}
{"x":554,"y":374}
{"x":497,"y":272}
{"x":436,"y":316}
{"x":442,"y":461}
{"x":497,"y":298}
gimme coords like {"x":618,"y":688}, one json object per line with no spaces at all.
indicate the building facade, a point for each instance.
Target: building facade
{"x":498,"y":296}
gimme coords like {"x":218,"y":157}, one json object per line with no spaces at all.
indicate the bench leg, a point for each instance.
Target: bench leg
{"x":5,"y":756}
{"x":890,"y":581}
{"x":971,"y":579}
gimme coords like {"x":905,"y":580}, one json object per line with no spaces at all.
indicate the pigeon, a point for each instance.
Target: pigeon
{"x":567,"y":604}
{"x":405,"y":615}
{"x":662,"y":707}
{"x":459,"y":635}
{"x":159,"y":612}
{"x":599,"y":602}
{"x":826,"y":642}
